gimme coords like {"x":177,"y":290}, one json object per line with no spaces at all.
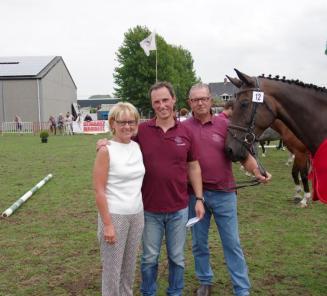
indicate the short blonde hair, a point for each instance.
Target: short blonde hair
{"x":123,"y":108}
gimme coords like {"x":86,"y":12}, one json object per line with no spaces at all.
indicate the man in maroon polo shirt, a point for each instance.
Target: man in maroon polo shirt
{"x":170,"y":157}
{"x":220,"y":198}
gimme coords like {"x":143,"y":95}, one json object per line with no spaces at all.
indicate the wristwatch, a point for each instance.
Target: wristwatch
{"x":200,"y":198}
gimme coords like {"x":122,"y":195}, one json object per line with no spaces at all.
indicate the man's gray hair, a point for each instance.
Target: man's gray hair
{"x":197,"y":86}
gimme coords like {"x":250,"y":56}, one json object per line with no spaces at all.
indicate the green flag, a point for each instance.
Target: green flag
{"x":326,"y":49}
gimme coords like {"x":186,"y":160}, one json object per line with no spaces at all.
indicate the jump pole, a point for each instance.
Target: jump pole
{"x":25,"y":197}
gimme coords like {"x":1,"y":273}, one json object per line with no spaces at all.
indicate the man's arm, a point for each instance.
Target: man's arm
{"x":195,"y":177}
{"x":251,"y":165}
{"x":101,"y":143}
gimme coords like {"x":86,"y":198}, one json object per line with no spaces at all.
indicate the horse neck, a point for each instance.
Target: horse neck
{"x":301,"y":110}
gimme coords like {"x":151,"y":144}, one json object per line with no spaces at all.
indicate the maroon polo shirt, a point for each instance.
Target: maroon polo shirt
{"x":216,"y":168}
{"x":165,"y":157}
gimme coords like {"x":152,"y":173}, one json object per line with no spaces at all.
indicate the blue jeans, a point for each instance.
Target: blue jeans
{"x":223,"y":207}
{"x":156,"y":225}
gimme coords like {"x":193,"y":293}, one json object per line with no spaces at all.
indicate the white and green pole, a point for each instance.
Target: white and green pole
{"x":25,"y":197}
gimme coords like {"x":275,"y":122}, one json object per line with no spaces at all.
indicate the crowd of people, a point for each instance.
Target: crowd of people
{"x":151,"y":178}
{"x":62,"y":125}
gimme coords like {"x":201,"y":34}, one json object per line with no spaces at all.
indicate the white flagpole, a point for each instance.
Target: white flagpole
{"x":157,"y":65}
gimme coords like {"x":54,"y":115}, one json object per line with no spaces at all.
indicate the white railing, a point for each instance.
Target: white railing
{"x":23,"y":127}
{"x":83,"y":127}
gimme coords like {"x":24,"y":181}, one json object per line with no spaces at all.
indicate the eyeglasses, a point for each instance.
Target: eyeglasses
{"x":197,"y":100}
{"x":124,"y":122}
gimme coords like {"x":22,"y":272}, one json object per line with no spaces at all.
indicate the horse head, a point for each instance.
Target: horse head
{"x":250,"y":116}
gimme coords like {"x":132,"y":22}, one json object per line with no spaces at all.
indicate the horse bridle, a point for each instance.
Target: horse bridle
{"x":249,"y":134}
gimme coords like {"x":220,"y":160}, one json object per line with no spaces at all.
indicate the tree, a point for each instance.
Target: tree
{"x":136,"y":71}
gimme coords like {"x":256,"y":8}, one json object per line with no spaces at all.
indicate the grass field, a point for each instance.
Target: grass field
{"x":49,"y":246}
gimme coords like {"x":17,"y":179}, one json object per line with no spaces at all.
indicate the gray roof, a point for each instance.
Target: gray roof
{"x":218,"y":89}
{"x":28,"y":67}
{"x":106,"y":107}
{"x":96,"y":102}
{"x":23,"y":66}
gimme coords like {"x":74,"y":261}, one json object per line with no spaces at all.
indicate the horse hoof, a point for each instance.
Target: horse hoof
{"x":263,"y":155}
{"x":297,"y":199}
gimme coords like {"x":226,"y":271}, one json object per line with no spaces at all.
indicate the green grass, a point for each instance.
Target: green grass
{"x":49,"y":246}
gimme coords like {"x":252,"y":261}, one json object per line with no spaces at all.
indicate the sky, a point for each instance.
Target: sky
{"x":280,"y":37}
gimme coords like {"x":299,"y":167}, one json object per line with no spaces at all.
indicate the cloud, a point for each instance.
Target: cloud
{"x":278,"y":37}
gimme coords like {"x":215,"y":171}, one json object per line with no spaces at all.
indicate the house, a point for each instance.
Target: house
{"x":35,"y":87}
{"x":222,"y":90}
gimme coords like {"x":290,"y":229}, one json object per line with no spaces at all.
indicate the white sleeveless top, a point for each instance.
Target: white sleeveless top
{"x":125,"y":177}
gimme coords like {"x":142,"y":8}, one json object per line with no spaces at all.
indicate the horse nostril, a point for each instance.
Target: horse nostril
{"x":229,"y":151}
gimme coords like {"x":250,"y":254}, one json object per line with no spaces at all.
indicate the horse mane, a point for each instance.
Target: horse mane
{"x":296,"y":82}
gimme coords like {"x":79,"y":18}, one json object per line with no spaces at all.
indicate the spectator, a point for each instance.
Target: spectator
{"x":60,"y":123}
{"x":183,"y":114}
{"x":228,"y":109}
{"x":53,"y":124}
{"x":69,"y":124}
{"x":18,"y":122}
{"x":88,"y":117}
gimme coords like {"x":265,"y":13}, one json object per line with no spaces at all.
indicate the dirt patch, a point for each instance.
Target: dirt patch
{"x":77,"y":287}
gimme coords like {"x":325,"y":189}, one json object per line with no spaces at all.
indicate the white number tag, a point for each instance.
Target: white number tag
{"x":257,"y":97}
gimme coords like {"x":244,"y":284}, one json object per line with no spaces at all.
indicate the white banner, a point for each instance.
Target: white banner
{"x":91,"y":127}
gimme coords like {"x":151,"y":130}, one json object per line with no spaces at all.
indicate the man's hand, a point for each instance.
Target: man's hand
{"x":199,"y":209}
{"x":101,"y":143}
{"x":261,"y":178}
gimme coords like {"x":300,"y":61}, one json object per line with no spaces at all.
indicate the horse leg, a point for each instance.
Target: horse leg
{"x":262,"y":144}
{"x":290,"y":158}
{"x":295,"y":174}
{"x":280,"y":145}
{"x":307,"y":195}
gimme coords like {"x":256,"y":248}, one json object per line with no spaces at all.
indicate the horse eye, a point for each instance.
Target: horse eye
{"x":244,"y":104}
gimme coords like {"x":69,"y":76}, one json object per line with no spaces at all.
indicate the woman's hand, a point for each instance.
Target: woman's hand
{"x":109,"y":234}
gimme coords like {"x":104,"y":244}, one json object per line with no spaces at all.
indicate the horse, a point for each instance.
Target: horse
{"x":302,"y":107}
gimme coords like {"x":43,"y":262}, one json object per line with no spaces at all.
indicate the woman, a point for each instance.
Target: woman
{"x":118,"y":175}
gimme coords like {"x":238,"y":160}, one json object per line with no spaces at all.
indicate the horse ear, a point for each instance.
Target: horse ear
{"x":238,"y":83}
{"x":245,"y":78}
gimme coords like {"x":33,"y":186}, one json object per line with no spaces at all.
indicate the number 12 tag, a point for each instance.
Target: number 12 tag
{"x":257,"y":97}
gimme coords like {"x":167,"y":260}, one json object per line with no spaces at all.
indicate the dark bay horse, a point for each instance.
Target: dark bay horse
{"x":302,"y":107}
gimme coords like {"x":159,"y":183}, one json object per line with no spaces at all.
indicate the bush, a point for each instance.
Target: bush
{"x":44,"y":134}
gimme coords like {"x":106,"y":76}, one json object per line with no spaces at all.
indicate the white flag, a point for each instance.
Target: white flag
{"x":149,"y":43}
